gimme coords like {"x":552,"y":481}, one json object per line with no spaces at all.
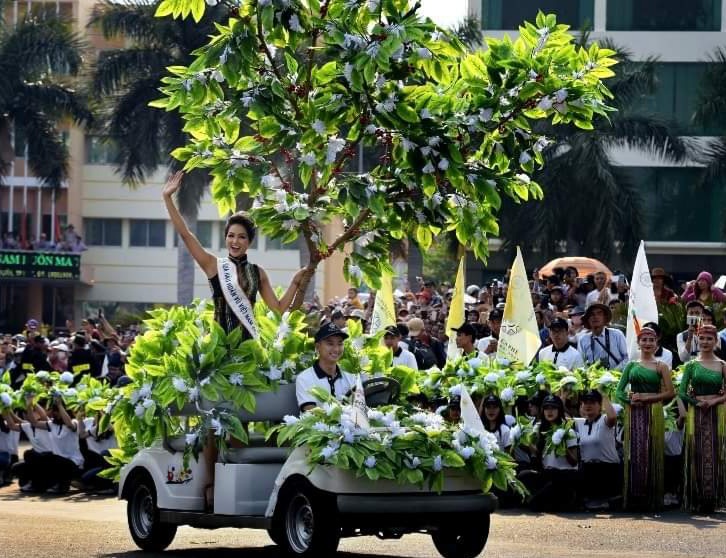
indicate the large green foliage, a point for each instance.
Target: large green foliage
{"x":316,"y":79}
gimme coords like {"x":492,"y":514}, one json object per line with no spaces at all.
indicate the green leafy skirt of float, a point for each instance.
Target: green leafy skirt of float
{"x":643,"y":450}
{"x":704,"y":459}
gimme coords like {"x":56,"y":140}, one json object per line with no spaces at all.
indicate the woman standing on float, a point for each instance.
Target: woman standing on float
{"x":234,"y":281}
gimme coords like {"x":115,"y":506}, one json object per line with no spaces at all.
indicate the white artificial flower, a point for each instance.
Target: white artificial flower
{"x":443,"y":164}
{"x":321,"y":427}
{"x":407,"y":144}
{"x":515,"y":432}
{"x":190,"y":439}
{"x":485,"y":115}
{"x":545,"y":103}
{"x":491,"y":378}
{"x":139,"y":410}
{"x":335,"y":145}
{"x":148,"y":403}
{"x":319,"y":127}
{"x":295,"y":24}
{"x":217,"y":426}
{"x":348,"y":71}
{"x":507,"y":395}
{"x":455,"y":390}
{"x":491,"y":462}
{"x":540,"y":379}
{"x":461,"y":373}
{"x":212,"y":3}
{"x":437,"y":466}
{"x":503,"y":362}
{"x":290,"y":419}
{"x":523,"y":376}
{"x":180,"y":385}
{"x":524,"y":158}
{"x":329,"y":451}
{"x":606,"y":378}
{"x":561,"y":95}
{"x":425,"y":114}
{"x":135,"y":396}
{"x":66,"y":378}
{"x":475,"y":362}
{"x":309,"y":159}
{"x":6,"y":399}
{"x":145,"y":391}
{"x":274,"y":374}
{"x":271,"y":181}
{"x":568,"y":380}
{"x":370,"y":462}
{"x":43,"y":375}
{"x":70,"y":392}
{"x":236,"y":379}
{"x":558,"y":436}
{"x":193,"y":394}
{"x":373,"y":5}
{"x":540,"y":144}
{"x":466,"y":452}
{"x":424,"y":53}
{"x":217,"y":76}
{"x":429,"y":168}
{"x":411,"y":461}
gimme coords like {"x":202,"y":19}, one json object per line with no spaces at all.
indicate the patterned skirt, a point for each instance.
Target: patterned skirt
{"x":704,"y":486}
{"x":643,"y":455}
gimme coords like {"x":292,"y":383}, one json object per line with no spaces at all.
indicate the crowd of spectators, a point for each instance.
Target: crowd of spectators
{"x":69,"y":241}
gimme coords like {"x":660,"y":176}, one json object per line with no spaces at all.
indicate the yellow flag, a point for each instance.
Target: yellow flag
{"x":384,"y":311}
{"x":457,"y":314}
{"x":519,"y":337}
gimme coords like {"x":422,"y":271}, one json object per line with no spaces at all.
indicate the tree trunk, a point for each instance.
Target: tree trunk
{"x":186,"y":265}
{"x":309,"y":291}
{"x":415,"y":265}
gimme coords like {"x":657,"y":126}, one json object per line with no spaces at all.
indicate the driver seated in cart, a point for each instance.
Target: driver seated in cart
{"x":325,"y":372}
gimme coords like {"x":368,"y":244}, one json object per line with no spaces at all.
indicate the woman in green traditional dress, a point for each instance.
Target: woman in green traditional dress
{"x":702,"y":389}
{"x":650,"y":384}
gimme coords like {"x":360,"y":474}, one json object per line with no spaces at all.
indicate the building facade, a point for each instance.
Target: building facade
{"x":684,"y":225}
{"x":131,"y":260}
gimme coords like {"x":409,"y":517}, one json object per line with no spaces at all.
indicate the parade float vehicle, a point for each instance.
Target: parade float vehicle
{"x":305,"y":510}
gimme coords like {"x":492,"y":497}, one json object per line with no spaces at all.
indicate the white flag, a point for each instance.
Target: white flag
{"x":469,"y":414}
{"x":359,"y":408}
{"x":641,"y":305}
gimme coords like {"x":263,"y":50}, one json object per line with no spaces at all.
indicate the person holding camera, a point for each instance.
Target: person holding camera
{"x":602,"y":344}
{"x":687,"y":341}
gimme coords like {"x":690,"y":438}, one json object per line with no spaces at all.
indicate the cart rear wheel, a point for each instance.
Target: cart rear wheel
{"x":463,"y":540}
{"x":148,"y":532}
{"x":308,"y":525}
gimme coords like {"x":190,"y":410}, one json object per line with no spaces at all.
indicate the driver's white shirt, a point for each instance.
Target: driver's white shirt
{"x":315,"y":377}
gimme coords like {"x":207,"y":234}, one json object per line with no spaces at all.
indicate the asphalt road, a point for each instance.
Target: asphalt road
{"x":81,"y":525}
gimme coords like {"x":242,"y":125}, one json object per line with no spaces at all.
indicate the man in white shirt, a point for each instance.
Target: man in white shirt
{"x":325,"y":373}
{"x":488,"y":345}
{"x":401,"y":356}
{"x":594,"y":295}
{"x":602,"y":344}
{"x":687,"y":341}
{"x":560,"y":352}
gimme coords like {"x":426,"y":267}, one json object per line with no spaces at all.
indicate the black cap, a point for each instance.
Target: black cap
{"x":392,"y":331}
{"x":591,"y":395}
{"x":559,"y":323}
{"x":329,"y":330}
{"x":492,"y":399}
{"x":123,"y":381}
{"x":552,"y":401}
{"x":465,"y":329}
{"x":455,"y":402}
{"x":496,"y":314}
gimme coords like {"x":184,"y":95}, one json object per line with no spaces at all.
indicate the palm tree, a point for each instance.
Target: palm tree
{"x":710,"y":112}
{"x":589,"y":203}
{"x":129,"y":79}
{"x":39,"y":58}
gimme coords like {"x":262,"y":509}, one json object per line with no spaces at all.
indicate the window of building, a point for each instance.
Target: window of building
{"x":223,"y":244}
{"x":676,"y":207}
{"x":204,"y":234}
{"x":101,"y":151}
{"x":102,"y":232}
{"x":147,"y":232}
{"x":676,"y":97}
{"x":276,"y":244}
{"x":510,"y":14}
{"x":664,"y":15}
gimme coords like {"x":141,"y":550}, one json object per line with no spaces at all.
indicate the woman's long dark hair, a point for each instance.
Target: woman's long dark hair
{"x":500,"y":418}
{"x":544,"y":424}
